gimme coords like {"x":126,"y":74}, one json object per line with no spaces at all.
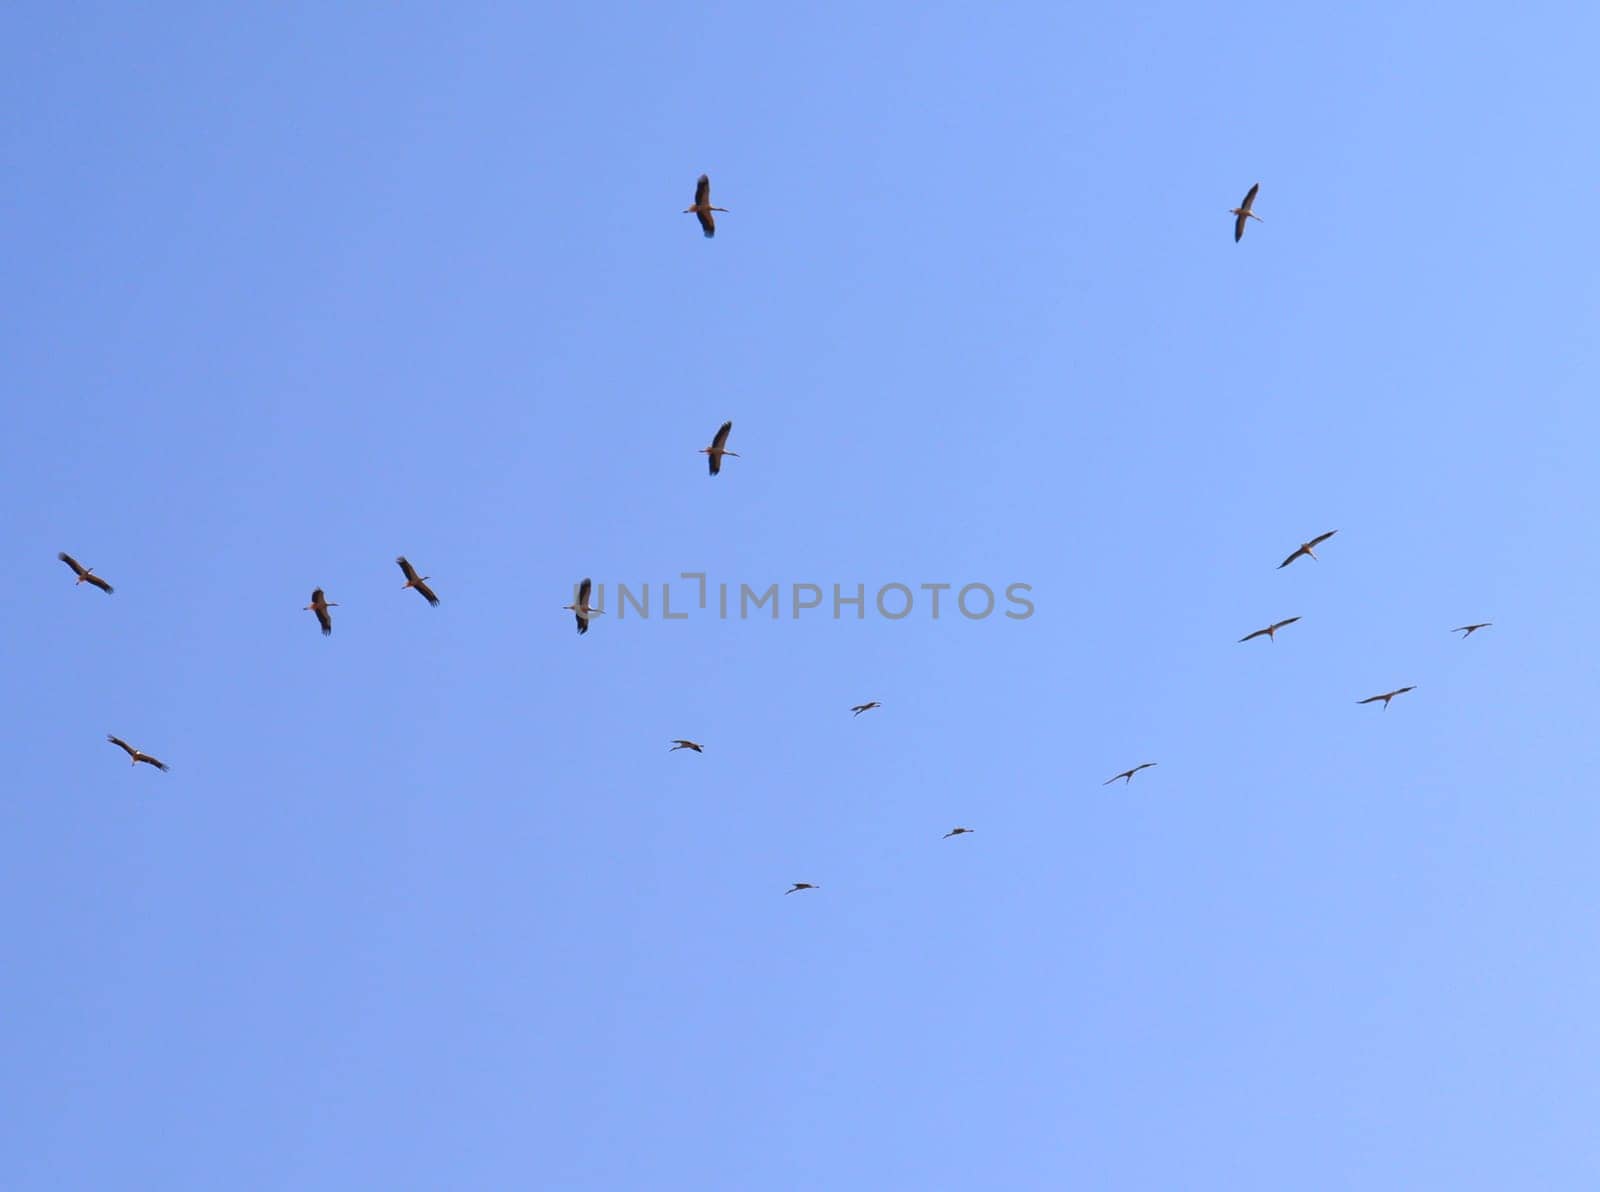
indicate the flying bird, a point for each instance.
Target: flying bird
{"x":1270,"y":632}
{"x":136,"y":755}
{"x":1467,"y":631}
{"x":866,"y":707}
{"x":85,"y":575}
{"x":681,"y":744}
{"x":702,"y":206}
{"x":320,"y":605}
{"x":955,"y":832}
{"x":1243,"y":212}
{"x":1305,"y":548}
{"x":582,"y":609}
{"x":1127,"y":775}
{"x":419,"y":582}
{"x":718,"y":448}
{"x":1386,"y":696}
{"x":801,"y":886}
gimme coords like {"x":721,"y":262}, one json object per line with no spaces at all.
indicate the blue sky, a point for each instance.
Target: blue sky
{"x":294,"y":289}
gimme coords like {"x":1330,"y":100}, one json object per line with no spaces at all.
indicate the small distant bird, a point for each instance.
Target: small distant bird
{"x":1270,"y":632}
{"x":801,"y":886}
{"x":1127,"y":775}
{"x":1467,"y":631}
{"x":702,"y":206}
{"x":85,"y":575}
{"x":717,"y":450}
{"x":955,"y":832}
{"x":320,"y":605}
{"x":1305,"y":548}
{"x":582,"y":609}
{"x":136,"y":755}
{"x":419,"y":582}
{"x":867,"y":707}
{"x":681,"y":744}
{"x":1386,"y":696}
{"x":1244,"y":213}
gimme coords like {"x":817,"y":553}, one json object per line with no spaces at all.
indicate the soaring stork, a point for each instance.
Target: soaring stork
{"x":320,"y":605}
{"x":718,"y":448}
{"x":1270,"y":632}
{"x":866,"y":707}
{"x":419,"y":582}
{"x":1386,"y":696}
{"x":1127,"y":775}
{"x":1243,"y":212}
{"x":801,"y":886}
{"x":679,"y":743}
{"x":702,"y":206}
{"x":135,"y":755}
{"x":1467,"y":631}
{"x":85,"y":575}
{"x":1305,"y":548}
{"x":956,"y":832}
{"x":582,"y":609}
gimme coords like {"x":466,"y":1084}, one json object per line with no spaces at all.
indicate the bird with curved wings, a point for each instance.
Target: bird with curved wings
{"x":1305,"y":549}
{"x":1127,"y":775}
{"x":719,"y":448}
{"x":320,"y":605}
{"x":581,"y":608}
{"x":1270,"y":632}
{"x":1467,"y":631}
{"x":1386,"y":696}
{"x":85,"y":575}
{"x":680,"y":743}
{"x":801,"y":886}
{"x":702,"y":207}
{"x":866,"y":707}
{"x":135,"y":755}
{"x":955,"y":832}
{"x":419,"y":582}
{"x":1243,"y":213}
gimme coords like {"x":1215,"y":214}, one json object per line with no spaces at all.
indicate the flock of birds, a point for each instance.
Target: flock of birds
{"x":583,"y":611}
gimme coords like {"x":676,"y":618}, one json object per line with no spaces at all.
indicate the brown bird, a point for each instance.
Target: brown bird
{"x":320,"y":605}
{"x":955,"y":832}
{"x":717,"y":450}
{"x":1386,"y":696}
{"x":582,"y":609}
{"x":1467,"y":631}
{"x":702,"y":206}
{"x":419,"y":582}
{"x":1305,"y":548}
{"x":801,"y":886}
{"x":681,"y":744}
{"x":1244,"y":213}
{"x":866,"y":707}
{"x":1270,"y":632}
{"x":85,"y":575}
{"x":136,"y":755}
{"x":1127,"y":775}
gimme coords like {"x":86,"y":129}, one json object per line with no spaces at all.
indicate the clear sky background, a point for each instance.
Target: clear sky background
{"x":292,"y":289}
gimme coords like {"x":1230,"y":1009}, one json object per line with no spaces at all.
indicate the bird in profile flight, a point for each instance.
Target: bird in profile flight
{"x":801,"y":886}
{"x":1305,"y":548}
{"x":718,"y":448}
{"x":1270,"y":632}
{"x":956,"y":832}
{"x":1127,"y":775}
{"x":135,"y":755}
{"x":1386,"y":696}
{"x":1243,"y":212}
{"x":320,"y":605}
{"x":682,"y":744}
{"x":702,"y":207}
{"x":419,"y":582}
{"x":85,"y":575}
{"x":1467,"y":631}
{"x":582,"y":609}
{"x":866,"y":707}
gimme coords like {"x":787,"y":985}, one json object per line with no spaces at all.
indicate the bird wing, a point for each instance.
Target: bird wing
{"x":708,"y":222}
{"x":123,"y":745}
{"x":583,"y":593}
{"x":1114,"y":777}
{"x":405,"y":566}
{"x":98,"y":582}
{"x":1238,"y":227}
{"x":714,"y":462}
{"x":583,"y":623}
{"x":1249,"y":198}
{"x":1371,"y":699}
{"x":720,"y":440}
{"x":1257,"y":633}
{"x":70,"y":562}
{"x":316,"y":596}
{"x":1403,"y":690}
{"x":1321,"y":538}
{"x":1298,"y":552}
{"x":427,"y":592}
{"x":702,"y":191}
{"x":156,"y":762}
{"x":1281,"y":624}
{"x":324,"y":618}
